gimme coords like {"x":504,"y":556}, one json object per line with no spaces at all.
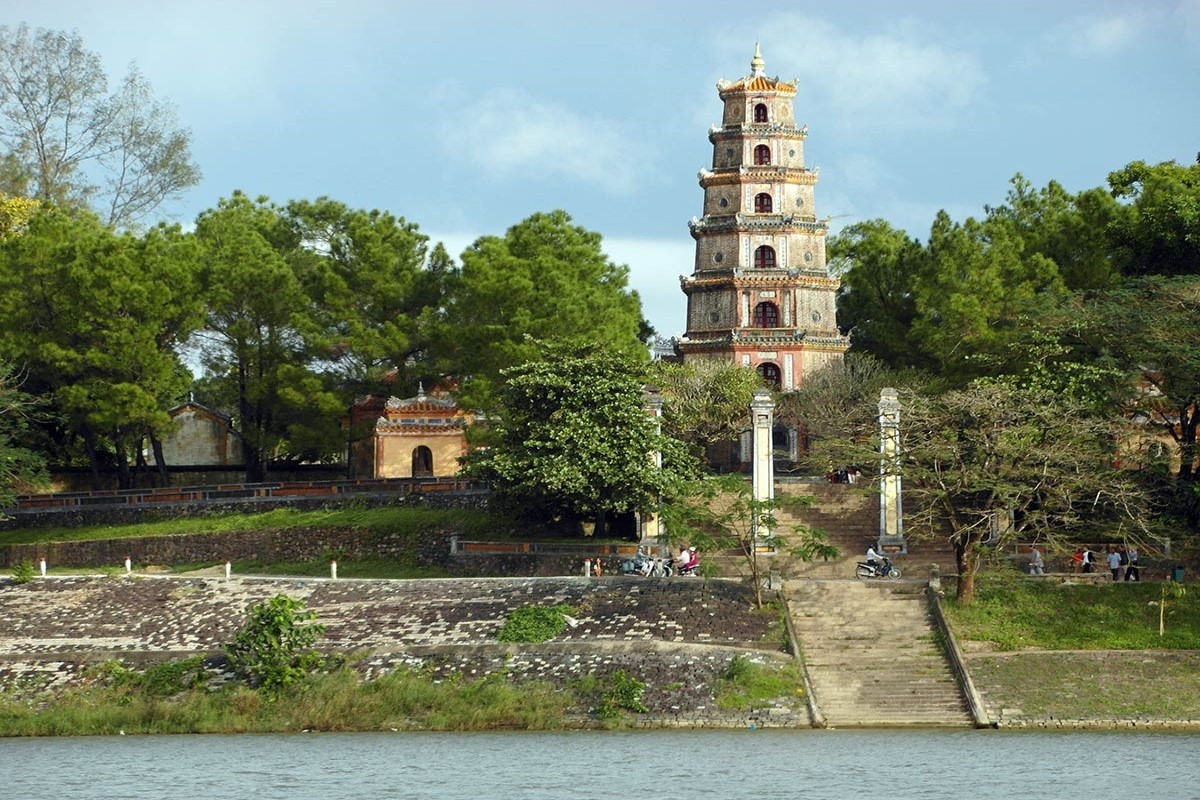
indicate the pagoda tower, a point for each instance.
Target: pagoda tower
{"x":760,"y":294}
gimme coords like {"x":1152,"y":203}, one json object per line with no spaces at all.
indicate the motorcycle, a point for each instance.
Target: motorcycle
{"x":642,"y":564}
{"x":885,"y":569}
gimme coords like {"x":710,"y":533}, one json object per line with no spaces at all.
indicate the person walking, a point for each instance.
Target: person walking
{"x":1036,"y":563}
{"x":1131,"y":571}
{"x":1114,"y":563}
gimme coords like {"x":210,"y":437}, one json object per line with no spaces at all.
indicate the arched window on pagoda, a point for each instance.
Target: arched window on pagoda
{"x":422,"y":462}
{"x":762,"y":155}
{"x":770,"y":374}
{"x":762,"y":203}
{"x":764,"y":257}
{"x":766,"y":315}
{"x":760,"y":112}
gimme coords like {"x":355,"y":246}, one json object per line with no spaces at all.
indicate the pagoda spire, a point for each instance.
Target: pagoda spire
{"x":757,"y":65}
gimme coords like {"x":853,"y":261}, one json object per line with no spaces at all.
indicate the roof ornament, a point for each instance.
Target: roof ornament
{"x":757,"y":65}
{"x":420,"y":390}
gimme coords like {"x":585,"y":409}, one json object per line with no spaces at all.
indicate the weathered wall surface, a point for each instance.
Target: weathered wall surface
{"x":676,"y":636}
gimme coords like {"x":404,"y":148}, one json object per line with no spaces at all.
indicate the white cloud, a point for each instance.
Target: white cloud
{"x":508,"y":133}
{"x":1104,"y":35}
{"x":898,"y":77}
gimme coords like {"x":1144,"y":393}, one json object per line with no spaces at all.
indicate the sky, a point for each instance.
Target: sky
{"x":467,"y":117}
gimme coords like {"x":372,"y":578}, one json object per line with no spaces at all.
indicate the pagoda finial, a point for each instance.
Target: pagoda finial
{"x":420,"y":390}
{"x":757,"y":64}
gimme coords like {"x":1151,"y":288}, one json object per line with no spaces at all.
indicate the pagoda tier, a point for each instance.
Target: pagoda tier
{"x":760,"y":293}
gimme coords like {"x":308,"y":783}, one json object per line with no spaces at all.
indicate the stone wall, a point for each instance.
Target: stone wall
{"x":677,"y":636}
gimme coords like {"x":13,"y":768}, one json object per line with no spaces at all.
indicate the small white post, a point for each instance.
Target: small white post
{"x":42,"y":563}
{"x":128,"y":565}
{"x":333,"y":569}
{"x":228,"y":569}
{"x":587,"y":568}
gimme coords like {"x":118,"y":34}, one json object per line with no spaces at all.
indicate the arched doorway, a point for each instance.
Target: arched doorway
{"x":770,"y":374}
{"x":422,"y":462}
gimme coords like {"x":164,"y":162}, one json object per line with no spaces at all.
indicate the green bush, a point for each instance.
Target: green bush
{"x":534,"y":623}
{"x":274,"y":648}
{"x":621,"y":693}
{"x":744,"y":683}
{"x":23,"y":571}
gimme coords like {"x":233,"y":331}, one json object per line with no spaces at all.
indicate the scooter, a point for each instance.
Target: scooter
{"x":642,"y":564}
{"x":883,"y":570}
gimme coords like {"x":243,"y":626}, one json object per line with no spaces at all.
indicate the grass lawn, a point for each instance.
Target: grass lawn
{"x":385,"y":519}
{"x":1013,"y":612}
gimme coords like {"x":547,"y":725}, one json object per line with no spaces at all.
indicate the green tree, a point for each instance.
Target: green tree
{"x":375,"y":291}
{"x":994,"y":462}
{"x":258,"y":334}
{"x":1160,"y":235}
{"x":839,"y":402}
{"x":72,"y":143}
{"x":719,"y":514}
{"x":1149,"y":327}
{"x":20,"y":468}
{"x":544,"y":280}
{"x":274,"y":649}
{"x":977,"y":281}
{"x":1070,"y":230}
{"x":705,"y":402}
{"x":96,"y":318}
{"x":875,"y":302}
{"x":573,"y":439}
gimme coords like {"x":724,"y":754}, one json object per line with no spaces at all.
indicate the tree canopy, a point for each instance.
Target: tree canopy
{"x":574,"y":439}
{"x":545,"y":280}
{"x":95,"y":319}
{"x":70,"y":142}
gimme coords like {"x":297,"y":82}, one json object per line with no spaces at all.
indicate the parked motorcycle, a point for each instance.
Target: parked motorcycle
{"x":885,"y":569}
{"x":642,"y":564}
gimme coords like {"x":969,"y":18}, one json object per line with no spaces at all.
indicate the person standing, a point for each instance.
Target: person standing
{"x":1036,"y":563}
{"x":1131,"y":571}
{"x":1089,"y":560}
{"x":1114,"y":563}
{"x":1077,"y":561}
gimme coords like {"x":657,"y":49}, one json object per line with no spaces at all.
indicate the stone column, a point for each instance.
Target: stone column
{"x":891,"y":508}
{"x":762,"y":417}
{"x":653,"y":531}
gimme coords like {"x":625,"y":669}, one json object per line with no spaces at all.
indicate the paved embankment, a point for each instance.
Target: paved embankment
{"x":1089,"y":688}
{"x":677,"y":636}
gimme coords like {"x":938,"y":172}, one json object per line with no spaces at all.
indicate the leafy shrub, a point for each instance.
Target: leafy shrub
{"x":621,"y":693}
{"x":534,"y":623}
{"x":274,"y":648}
{"x":23,"y":571}
{"x":743,"y":683}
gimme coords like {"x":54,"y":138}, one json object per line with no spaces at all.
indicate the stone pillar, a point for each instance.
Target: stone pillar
{"x":891,"y":508}
{"x":762,"y":418}
{"x":653,"y":531}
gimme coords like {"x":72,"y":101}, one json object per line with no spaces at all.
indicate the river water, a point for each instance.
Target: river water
{"x":664,"y":765}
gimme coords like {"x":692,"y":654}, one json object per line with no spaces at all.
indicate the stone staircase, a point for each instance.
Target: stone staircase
{"x":871,"y":656}
{"x":849,"y":516}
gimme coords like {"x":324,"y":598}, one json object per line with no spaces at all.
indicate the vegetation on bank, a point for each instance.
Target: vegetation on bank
{"x":1013,"y":612}
{"x":187,"y":696}
{"x":166,"y":699}
{"x":382,"y":520}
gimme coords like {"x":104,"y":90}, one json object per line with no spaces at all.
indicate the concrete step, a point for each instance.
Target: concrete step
{"x":870,"y":653}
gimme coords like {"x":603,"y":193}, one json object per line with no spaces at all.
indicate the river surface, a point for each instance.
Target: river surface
{"x":663,"y":765}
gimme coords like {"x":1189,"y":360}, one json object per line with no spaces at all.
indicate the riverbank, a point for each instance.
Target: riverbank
{"x":683,"y":641}
{"x":423,"y":654}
